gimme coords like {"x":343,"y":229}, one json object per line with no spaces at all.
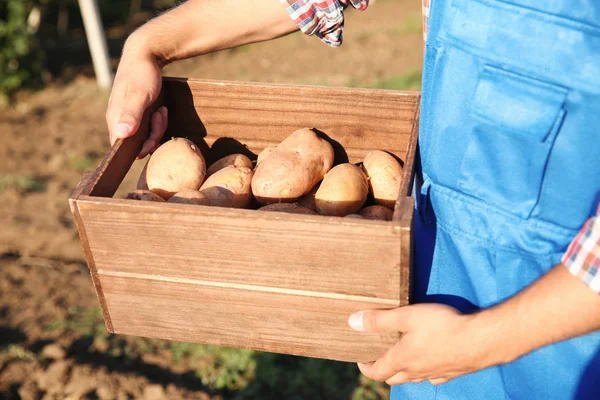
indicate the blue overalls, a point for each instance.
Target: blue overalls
{"x":510,"y":153}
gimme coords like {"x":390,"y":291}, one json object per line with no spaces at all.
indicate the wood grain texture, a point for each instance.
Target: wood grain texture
{"x":82,"y":187}
{"x":259,"y":115}
{"x":316,"y":253}
{"x":306,"y":326}
{"x":401,"y":210}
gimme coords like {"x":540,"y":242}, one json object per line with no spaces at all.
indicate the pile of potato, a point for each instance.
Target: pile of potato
{"x":297,"y":176}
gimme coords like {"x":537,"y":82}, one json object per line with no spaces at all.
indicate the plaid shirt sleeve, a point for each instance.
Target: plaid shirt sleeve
{"x":583,"y":256}
{"x":323,"y":18}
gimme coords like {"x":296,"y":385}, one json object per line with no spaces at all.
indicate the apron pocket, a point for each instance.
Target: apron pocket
{"x":515,"y":121}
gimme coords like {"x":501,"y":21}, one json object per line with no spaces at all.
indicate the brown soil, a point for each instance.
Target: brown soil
{"x":50,"y":136}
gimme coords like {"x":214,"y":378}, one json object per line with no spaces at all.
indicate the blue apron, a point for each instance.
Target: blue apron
{"x":510,"y":153}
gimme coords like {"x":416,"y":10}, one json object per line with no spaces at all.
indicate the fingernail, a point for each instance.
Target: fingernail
{"x":356,"y":321}
{"x":163,"y":110}
{"x":122,"y":130}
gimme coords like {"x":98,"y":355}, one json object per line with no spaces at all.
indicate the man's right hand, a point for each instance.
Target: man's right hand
{"x":137,"y":85}
{"x":194,"y":28}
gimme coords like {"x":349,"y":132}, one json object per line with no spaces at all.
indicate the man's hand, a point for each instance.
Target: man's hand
{"x":194,"y":28}
{"x":137,"y":85}
{"x":436,"y":344}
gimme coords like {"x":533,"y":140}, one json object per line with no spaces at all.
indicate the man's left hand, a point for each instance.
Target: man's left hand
{"x":437,"y":344}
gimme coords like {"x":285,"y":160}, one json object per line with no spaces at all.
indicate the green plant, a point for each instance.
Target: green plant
{"x":20,"y":58}
{"x":22,"y":182}
{"x":225,"y":368}
{"x":18,"y":352}
{"x":81,"y":163}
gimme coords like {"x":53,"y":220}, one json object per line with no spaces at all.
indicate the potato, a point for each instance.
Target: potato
{"x":377,"y":212}
{"x":343,"y":191}
{"x":293,"y":168}
{"x":175,"y":166}
{"x":142,"y":183}
{"x":144,"y":195}
{"x":308,"y":200}
{"x":287,"y":208}
{"x":354,"y":216}
{"x":190,"y":196}
{"x":239,"y":160}
{"x":263,"y":154}
{"x":385,"y":174}
{"x":229,"y":187}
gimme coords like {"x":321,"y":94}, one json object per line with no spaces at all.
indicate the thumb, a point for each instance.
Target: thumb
{"x":136,"y":103}
{"x":395,"y":320}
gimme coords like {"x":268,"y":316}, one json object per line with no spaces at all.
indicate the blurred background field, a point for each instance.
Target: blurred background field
{"x":53,"y":343}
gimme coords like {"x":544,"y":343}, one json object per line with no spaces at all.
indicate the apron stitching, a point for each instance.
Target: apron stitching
{"x":492,"y":245}
{"x":479,"y":204}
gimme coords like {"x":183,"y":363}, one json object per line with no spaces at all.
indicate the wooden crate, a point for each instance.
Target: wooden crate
{"x":274,"y":282}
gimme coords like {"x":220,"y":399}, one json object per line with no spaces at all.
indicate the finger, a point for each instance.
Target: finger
{"x":397,"y":319}
{"x":159,"y":130}
{"x":113,"y":110}
{"x":378,"y":371}
{"x":438,"y":381}
{"x":136,"y":102}
{"x":158,"y":126}
{"x":399,"y":379}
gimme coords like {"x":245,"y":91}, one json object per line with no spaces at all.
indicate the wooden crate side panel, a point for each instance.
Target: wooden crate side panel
{"x":88,"y":253}
{"x":406,"y":251}
{"x":258,"y":115}
{"x":313,"y":327}
{"x":246,"y":247}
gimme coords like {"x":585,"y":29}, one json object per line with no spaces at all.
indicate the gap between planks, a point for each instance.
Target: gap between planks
{"x":256,"y":288}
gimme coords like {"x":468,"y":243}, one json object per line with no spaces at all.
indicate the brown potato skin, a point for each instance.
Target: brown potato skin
{"x":385,"y":174}
{"x":377,"y":212}
{"x":308,"y":200}
{"x":264,"y":154}
{"x":229,"y":187}
{"x":145,"y":195}
{"x":190,"y":196}
{"x":293,"y":168}
{"x":292,"y":208}
{"x":239,"y":160}
{"x":343,"y":191}
{"x":142,"y":183}
{"x":175,"y":166}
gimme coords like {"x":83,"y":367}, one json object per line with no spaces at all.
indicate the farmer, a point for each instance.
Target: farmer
{"x":507,"y":281}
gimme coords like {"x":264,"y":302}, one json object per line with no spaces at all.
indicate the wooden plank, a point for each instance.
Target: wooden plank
{"x":408,"y":173}
{"x":351,"y":118}
{"x":321,"y":254}
{"x":305,"y":326}
{"x":406,"y":250}
{"x":81,"y":187}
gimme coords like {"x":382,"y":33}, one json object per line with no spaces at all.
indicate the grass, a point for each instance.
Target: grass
{"x":408,"y":81}
{"x":23,"y":183}
{"x":82,"y":163}
{"x":412,"y":23}
{"x":18,"y":352}
{"x":246,"y":374}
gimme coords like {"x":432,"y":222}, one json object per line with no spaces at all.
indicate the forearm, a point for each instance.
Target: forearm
{"x":203,"y":26}
{"x":558,"y":306}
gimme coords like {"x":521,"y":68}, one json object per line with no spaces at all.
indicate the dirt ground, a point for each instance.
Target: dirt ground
{"x":52,"y":342}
